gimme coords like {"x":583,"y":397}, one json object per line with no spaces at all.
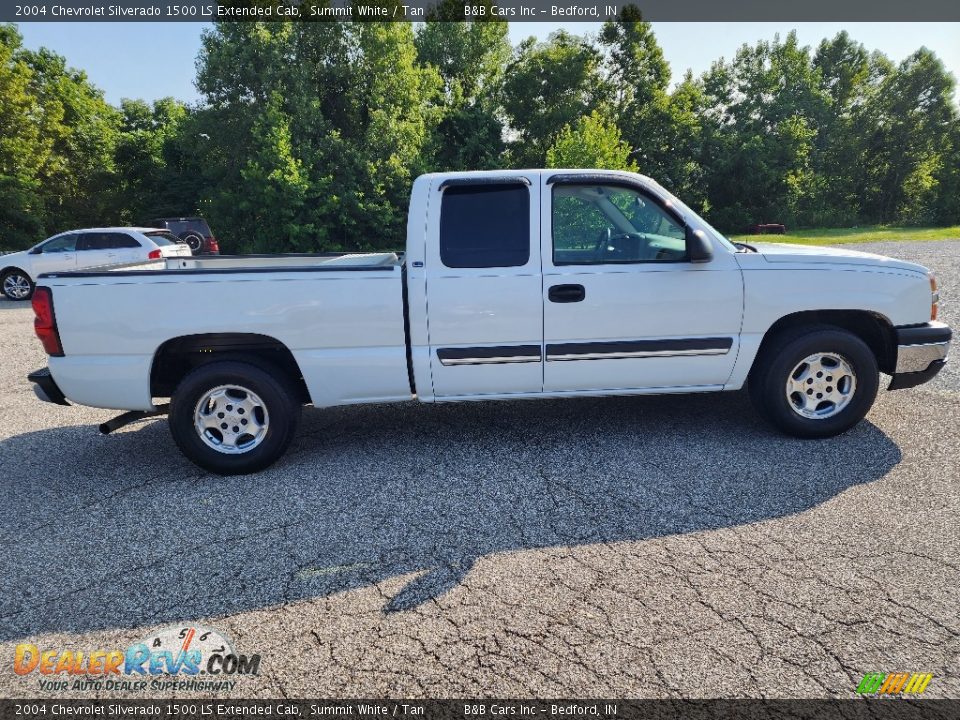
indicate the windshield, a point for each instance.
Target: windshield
{"x":686,"y":211}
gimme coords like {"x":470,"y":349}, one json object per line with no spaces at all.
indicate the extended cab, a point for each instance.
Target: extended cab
{"x":514,"y":284}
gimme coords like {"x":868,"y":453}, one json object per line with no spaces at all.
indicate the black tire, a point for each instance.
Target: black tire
{"x":194,"y":241}
{"x":15,"y":273}
{"x":267,"y":384}
{"x":785,"y":353}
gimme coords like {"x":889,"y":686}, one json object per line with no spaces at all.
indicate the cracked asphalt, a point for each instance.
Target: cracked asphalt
{"x":626,"y":547}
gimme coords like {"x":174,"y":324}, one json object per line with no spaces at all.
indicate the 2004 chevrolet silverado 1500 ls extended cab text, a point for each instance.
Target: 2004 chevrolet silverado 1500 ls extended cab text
{"x":514,"y":284}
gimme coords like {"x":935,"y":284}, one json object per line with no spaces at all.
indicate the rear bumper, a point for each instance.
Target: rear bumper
{"x":921,"y":353}
{"x":45,"y":387}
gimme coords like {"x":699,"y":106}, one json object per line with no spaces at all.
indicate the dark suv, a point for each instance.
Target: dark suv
{"x":194,"y":231}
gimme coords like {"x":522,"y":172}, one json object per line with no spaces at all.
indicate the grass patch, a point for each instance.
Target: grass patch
{"x":866,"y":234}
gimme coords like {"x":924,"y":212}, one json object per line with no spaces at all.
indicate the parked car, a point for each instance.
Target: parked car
{"x":514,"y":284}
{"x":79,"y":249}
{"x":194,"y":231}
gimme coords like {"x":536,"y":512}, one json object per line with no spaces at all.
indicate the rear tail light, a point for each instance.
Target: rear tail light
{"x":45,"y":322}
{"x":934,"y":296}
{"x":154,"y":255}
{"x":212,"y":245}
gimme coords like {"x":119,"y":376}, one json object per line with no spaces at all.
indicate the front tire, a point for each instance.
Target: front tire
{"x":233,"y":418}
{"x":17,"y":285}
{"x":815,"y":382}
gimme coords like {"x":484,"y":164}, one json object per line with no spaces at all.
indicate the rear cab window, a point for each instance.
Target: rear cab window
{"x":485,"y":225}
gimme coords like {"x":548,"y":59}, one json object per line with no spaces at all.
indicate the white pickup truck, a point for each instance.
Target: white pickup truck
{"x":514,"y":284}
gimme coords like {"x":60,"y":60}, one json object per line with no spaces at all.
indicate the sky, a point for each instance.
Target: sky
{"x":154,"y":60}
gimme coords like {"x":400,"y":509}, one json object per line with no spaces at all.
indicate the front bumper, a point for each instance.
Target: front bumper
{"x":921,"y":354}
{"x":45,"y":387}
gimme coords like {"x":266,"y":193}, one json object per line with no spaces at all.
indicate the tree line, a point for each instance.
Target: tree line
{"x":308,"y":135}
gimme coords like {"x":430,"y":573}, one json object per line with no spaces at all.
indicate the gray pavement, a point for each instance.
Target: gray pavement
{"x":627,"y":547}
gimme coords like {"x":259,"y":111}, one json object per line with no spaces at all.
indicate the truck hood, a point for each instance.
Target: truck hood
{"x":806,"y":254}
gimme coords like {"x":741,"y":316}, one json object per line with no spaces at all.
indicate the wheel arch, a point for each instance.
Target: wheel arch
{"x":8,"y":268}
{"x":180,"y":355}
{"x":873,"y":328}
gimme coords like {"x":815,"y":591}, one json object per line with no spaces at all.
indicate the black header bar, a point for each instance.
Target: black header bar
{"x":555,"y":11}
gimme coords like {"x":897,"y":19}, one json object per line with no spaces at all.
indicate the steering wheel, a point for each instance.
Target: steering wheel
{"x":606,"y":246}
{"x":603,"y":242}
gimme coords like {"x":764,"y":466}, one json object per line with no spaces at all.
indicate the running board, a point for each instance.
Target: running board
{"x":131,"y":417}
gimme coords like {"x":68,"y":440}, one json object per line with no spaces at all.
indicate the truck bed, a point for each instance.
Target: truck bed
{"x":341,"y":316}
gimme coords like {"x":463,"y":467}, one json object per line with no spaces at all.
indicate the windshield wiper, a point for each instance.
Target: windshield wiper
{"x":746,"y":247}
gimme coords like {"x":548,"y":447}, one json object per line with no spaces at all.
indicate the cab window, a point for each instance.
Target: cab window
{"x":599,"y":224}
{"x":485,"y":226}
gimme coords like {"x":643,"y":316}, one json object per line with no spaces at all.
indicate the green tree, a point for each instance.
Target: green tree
{"x":761,"y":120}
{"x":592,"y":143}
{"x":24,"y":149}
{"x":547,"y":87}
{"x":156,"y":161}
{"x":347,"y":105}
{"x":56,"y":144}
{"x":469,"y":58}
{"x":912,"y":109}
{"x":948,"y":179}
{"x":844,"y":71}
{"x":77,"y":180}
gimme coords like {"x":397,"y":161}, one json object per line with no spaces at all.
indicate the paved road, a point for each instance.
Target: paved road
{"x":640,"y":547}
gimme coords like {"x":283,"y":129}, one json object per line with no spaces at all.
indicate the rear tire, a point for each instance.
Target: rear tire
{"x":233,"y":418}
{"x":814,"y":382}
{"x":17,"y":285}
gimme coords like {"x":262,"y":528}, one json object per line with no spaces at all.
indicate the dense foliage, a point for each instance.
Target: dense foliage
{"x":310,"y":134}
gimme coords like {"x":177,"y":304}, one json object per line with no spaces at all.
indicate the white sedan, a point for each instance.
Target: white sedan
{"x":79,"y":249}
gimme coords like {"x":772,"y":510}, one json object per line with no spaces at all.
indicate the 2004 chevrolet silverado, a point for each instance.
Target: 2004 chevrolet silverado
{"x":514,"y":284}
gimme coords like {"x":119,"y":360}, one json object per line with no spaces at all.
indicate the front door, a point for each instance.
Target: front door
{"x":484,"y":286}
{"x":623,"y":307}
{"x":56,"y":255}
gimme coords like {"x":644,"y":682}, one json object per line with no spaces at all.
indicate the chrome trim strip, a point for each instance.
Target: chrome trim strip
{"x":490,"y":354}
{"x":638,"y":354}
{"x":917,"y":358}
{"x":490,"y":360}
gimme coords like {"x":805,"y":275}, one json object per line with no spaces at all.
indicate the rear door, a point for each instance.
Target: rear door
{"x":93,"y":250}
{"x":124,"y":248}
{"x":484,"y":286}
{"x":623,"y":306}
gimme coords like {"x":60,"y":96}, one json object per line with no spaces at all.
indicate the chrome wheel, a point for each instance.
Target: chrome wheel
{"x":16,"y":286}
{"x":231,"y":419}
{"x":821,"y":385}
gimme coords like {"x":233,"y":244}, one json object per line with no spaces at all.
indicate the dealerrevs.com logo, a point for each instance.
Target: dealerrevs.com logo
{"x":189,"y":658}
{"x":895,"y":683}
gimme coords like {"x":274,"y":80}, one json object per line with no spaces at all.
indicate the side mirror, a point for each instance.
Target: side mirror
{"x":699,"y":249}
{"x":37,"y":250}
